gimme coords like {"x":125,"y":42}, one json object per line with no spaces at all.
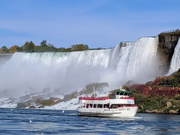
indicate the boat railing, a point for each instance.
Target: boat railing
{"x":102,"y":98}
{"x":129,"y":106}
{"x":127,"y":98}
{"x":93,"y":98}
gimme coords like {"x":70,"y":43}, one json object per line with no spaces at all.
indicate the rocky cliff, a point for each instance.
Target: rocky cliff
{"x":166,"y":46}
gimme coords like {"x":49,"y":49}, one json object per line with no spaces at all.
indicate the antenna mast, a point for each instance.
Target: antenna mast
{"x":94,"y":91}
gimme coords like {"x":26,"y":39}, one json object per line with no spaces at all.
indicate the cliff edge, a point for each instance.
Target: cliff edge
{"x":166,"y":46}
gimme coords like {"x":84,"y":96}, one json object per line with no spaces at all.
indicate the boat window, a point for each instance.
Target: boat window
{"x":94,"y":105}
{"x":117,"y":93}
{"x":99,"y":106}
{"x":126,"y":94}
{"x":83,"y":105}
{"x":106,"y":105}
{"x":115,"y":106}
{"x":89,"y":106}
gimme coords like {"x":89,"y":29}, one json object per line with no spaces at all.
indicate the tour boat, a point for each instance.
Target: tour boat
{"x":121,"y":106}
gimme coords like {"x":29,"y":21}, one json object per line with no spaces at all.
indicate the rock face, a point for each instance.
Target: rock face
{"x":94,"y":86}
{"x":174,"y":111}
{"x":37,"y":101}
{"x":167,"y":43}
{"x":169,"y":104}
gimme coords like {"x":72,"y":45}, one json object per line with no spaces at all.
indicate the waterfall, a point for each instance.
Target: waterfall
{"x":63,"y":72}
{"x":67,"y":72}
{"x":175,"y":61}
{"x":142,"y":62}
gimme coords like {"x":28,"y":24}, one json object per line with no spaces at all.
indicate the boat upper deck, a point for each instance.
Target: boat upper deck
{"x":93,"y":98}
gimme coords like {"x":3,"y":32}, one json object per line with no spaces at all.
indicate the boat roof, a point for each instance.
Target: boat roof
{"x":122,"y":90}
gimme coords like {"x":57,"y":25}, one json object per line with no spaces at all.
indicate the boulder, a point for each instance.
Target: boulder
{"x":32,"y":107}
{"x":169,"y":104}
{"x":174,"y":111}
{"x":154,"y":111}
{"x":21,"y":105}
{"x":41,"y":106}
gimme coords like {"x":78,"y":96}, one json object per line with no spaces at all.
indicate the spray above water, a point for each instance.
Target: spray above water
{"x":63,"y":73}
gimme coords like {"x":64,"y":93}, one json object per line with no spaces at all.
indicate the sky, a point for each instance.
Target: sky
{"x":97,"y":23}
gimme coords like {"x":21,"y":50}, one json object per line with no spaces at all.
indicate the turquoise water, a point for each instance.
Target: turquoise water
{"x":27,"y":121}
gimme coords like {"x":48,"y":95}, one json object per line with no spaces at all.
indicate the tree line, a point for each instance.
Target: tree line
{"x":43,"y":47}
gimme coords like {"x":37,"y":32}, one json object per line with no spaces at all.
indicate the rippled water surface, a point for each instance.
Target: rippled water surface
{"x":27,"y":121}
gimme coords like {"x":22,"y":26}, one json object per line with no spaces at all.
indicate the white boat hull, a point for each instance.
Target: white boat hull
{"x":106,"y":112}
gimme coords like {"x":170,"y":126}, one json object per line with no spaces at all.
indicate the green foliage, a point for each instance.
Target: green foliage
{"x":21,"y":105}
{"x":4,"y":49}
{"x":62,"y":49}
{"x":31,"y":47}
{"x":172,"y":81}
{"x":28,"y":47}
{"x":51,"y":48}
{"x":43,"y":43}
{"x":43,"y":47}
{"x":69,"y":50}
{"x":79,"y":47}
{"x":177,"y":97}
{"x":47,"y":102}
{"x":151,"y":103}
{"x":19,"y":49}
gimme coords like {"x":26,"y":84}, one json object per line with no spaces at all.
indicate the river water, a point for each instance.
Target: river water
{"x":42,"y":122}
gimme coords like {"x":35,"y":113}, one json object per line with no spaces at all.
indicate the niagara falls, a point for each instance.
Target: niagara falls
{"x":72,"y":71}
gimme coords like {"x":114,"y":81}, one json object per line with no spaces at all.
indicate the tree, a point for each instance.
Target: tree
{"x":69,"y":50}
{"x":28,"y":47}
{"x":19,"y":49}
{"x":1,"y":51}
{"x":51,"y":48}
{"x":25,"y":46}
{"x":5,"y":49}
{"x":13,"y":49}
{"x":43,"y":43}
{"x":62,"y":49}
{"x":79,"y":47}
{"x":31,"y":47}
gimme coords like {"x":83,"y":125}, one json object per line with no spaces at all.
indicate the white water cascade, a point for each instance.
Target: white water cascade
{"x":67,"y":72}
{"x":175,"y":61}
{"x":143,"y":61}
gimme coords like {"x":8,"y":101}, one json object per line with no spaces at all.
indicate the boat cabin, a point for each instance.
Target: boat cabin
{"x":122,"y":93}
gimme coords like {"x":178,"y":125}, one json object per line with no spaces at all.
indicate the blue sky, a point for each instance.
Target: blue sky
{"x":97,"y":23}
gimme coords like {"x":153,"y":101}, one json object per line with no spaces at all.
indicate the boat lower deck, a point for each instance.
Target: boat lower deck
{"x":106,"y":112}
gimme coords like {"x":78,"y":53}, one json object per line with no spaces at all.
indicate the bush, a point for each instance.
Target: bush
{"x":177,"y":97}
{"x":21,"y":105}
